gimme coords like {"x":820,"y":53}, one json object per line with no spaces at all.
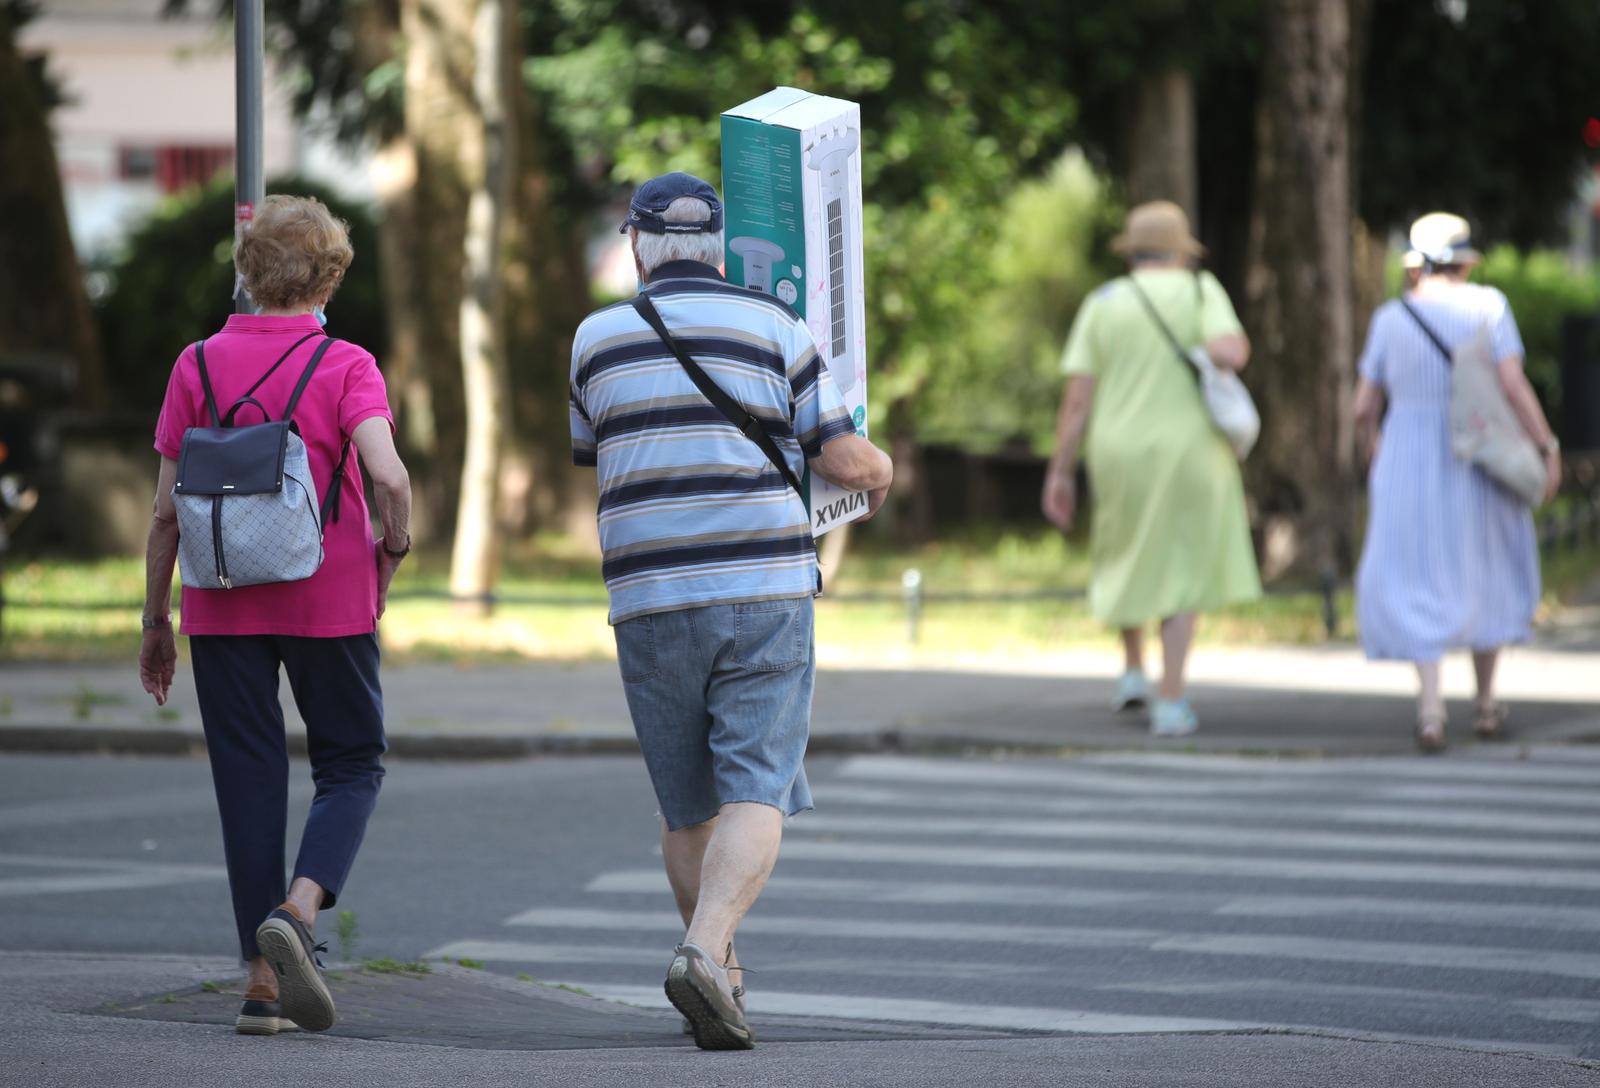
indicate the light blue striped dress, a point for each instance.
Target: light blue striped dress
{"x":1451,"y":560}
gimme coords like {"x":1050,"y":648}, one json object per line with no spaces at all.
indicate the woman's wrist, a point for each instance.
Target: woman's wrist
{"x":395,"y":553}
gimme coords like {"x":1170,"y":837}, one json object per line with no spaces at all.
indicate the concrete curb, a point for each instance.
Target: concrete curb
{"x":67,"y":739}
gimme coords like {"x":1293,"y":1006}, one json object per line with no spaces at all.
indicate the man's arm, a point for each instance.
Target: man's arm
{"x":158,"y":652}
{"x":853,"y":463}
{"x":391,"y":489}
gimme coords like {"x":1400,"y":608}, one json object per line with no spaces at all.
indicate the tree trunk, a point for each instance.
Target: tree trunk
{"x":44,"y":309}
{"x":483,"y":363}
{"x":443,"y":131}
{"x":1300,"y":286}
{"x":1160,"y":136}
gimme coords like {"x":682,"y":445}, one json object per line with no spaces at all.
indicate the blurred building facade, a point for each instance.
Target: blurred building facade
{"x":149,"y":111}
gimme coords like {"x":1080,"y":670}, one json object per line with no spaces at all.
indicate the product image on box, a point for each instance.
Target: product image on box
{"x":830,"y":157}
{"x":791,"y":187}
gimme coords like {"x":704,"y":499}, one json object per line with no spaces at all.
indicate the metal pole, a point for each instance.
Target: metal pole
{"x":249,"y":184}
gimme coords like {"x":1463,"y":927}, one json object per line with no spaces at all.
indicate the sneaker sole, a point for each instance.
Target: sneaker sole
{"x":258,"y":1025}
{"x":302,"y":994}
{"x":711,"y":1031}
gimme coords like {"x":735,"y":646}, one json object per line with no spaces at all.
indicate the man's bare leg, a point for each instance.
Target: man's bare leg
{"x":738,"y":856}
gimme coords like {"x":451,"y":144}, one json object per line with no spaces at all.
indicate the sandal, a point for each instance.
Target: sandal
{"x":1489,"y":720}
{"x":1430,"y":733}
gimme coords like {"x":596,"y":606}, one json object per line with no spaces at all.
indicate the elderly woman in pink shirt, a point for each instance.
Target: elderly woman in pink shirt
{"x":321,"y":630}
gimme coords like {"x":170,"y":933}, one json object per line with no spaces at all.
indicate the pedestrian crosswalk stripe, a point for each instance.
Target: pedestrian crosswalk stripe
{"x":918,"y":1011}
{"x":1500,"y":770}
{"x":897,"y":929}
{"x":1281,"y":812}
{"x":1562,"y":963}
{"x":1190,"y":834}
{"x":1451,"y":912}
{"x":1191,"y":864}
{"x":1088,"y":779}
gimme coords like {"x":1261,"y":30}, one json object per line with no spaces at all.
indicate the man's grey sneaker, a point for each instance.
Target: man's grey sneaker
{"x":1133,"y":691}
{"x":288,"y":946}
{"x":738,"y":999}
{"x":258,"y":1017}
{"x":698,"y":987}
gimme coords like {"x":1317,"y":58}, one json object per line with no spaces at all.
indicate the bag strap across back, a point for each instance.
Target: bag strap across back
{"x":1427,"y":328}
{"x":736,"y":413}
{"x":330,"y":504}
{"x":1155,"y":315}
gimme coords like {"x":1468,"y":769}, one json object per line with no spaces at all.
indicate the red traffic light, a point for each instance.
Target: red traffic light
{"x":1591,"y":132}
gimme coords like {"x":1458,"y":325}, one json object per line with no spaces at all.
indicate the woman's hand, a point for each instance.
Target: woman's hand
{"x":1060,"y":498}
{"x":158,"y":660}
{"x":387,"y":565}
{"x":1552,"y":471}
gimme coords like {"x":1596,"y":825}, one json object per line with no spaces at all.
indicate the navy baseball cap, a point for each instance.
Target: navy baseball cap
{"x":650,"y":202}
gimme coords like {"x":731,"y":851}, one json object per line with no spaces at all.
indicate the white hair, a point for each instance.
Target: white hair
{"x":655,"y":250}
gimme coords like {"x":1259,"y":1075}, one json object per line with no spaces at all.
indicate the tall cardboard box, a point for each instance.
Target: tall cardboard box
{"x":791,"y":194}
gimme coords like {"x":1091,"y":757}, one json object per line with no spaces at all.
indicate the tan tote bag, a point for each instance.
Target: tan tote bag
{"x":1484,"y":430}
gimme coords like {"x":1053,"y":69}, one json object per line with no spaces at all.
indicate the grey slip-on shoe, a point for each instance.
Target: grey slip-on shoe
{"x":699,"y":989}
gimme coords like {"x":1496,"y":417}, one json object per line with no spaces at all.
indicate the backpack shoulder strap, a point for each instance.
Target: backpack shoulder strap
{"x":305,"y":375}
{"x":1427,"y":328}
{"x":205,"y":382}
{"x":735,"y":413}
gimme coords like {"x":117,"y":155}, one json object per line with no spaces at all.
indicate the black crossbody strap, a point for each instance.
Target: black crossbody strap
{"x":736,"y":413}
{"x":1427,"y":328}
{"x":1150,"y":308}
{"x":205,"y":382}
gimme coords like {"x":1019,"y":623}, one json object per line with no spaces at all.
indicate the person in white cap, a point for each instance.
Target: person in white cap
{"x":1450,"y":560}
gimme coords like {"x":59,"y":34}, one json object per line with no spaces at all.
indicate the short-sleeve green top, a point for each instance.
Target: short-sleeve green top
{"x":1169,"y":531}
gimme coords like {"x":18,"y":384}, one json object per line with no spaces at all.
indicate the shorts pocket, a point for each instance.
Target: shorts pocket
{"x":636,"y":650}
{"x":770,"y":636}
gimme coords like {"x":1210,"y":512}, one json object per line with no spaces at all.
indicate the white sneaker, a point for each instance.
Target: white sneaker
{"x":1172,"y":718}
{"x":1133,"y":691}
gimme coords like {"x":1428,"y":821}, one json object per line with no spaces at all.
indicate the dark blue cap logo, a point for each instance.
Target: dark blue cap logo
{"x":650,"y":201}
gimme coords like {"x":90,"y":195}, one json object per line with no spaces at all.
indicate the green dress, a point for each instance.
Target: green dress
{"x":1169,"y":532}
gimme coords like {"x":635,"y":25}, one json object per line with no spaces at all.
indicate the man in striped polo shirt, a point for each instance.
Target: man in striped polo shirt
{"x":710,"y":566}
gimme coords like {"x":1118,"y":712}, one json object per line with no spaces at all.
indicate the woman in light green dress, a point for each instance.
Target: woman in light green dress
{"x":1170,"y":536}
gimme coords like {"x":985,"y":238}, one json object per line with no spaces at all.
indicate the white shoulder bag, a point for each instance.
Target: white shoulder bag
{"x":1484,"y":431}
{"x":1227,"y":401}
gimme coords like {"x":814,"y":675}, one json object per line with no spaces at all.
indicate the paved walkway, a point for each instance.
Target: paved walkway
{"x":134,"y":1021}
{"x":1295,"y":700}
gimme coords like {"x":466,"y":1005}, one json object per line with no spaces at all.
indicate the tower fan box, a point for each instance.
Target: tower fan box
{"x":791,"y":193}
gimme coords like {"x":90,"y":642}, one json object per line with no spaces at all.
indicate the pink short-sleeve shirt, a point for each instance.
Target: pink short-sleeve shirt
{"x":342,"y":597}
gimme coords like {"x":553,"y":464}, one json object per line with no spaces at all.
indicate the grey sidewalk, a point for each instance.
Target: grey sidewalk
{"x":1323,"y":700}
{"x":133,"y":1021}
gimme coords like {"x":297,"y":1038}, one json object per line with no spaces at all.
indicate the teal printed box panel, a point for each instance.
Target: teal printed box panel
{"x":764,"y":209}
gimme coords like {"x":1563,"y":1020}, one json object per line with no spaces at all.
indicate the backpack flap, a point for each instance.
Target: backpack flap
{"x":233,"y":460}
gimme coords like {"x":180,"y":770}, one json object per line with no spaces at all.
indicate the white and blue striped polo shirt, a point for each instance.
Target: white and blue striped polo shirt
{"x":691,"y":511}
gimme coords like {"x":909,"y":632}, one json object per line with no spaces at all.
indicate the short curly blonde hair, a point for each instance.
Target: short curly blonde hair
{"x":294,"y":252}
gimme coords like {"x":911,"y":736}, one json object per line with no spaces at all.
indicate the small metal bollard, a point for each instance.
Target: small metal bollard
{"x":911,"y":590}
{"x":1330,"y":603}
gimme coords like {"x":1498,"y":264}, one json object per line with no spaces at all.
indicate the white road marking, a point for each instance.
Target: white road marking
{"x":915,"y":1011}
{"x":1530,"y":961}
{"x":1191,"y":864}
{"x":1282,"y":811}
{"x":1442,"y":912}
{"x":654,"y":881}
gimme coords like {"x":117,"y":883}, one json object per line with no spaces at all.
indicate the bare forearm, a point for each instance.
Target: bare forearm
{"x":1071,"y":421}
{"x":161,"y":553}
{"x":855,"y":464}
{"x":1230,"y":352}
{"x":394,"y":509}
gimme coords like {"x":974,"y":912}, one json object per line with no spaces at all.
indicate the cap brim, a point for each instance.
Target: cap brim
{"x":1123,"y":246}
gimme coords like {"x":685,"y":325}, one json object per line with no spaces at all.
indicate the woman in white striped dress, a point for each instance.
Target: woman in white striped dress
{"x":1451,"y":560}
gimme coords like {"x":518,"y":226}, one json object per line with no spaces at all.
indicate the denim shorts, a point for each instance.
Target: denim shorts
{"x":721,"y":701}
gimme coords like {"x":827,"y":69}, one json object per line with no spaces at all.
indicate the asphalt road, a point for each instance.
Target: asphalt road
{"x":1449,"y":899}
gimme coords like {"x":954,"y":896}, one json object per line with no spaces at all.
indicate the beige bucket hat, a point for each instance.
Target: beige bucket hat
{"x":1157,"y":227}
